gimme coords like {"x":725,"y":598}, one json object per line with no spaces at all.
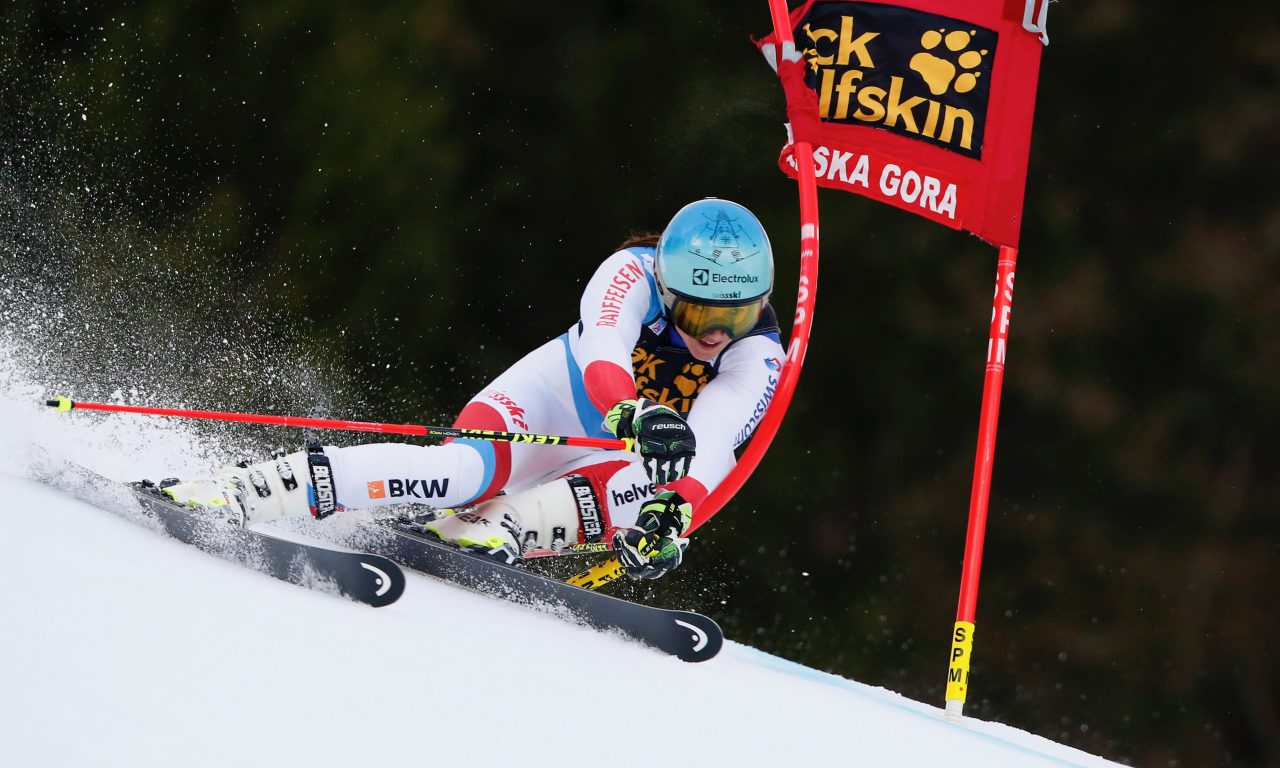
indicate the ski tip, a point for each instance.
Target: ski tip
{"x":700,"y":637}
{"x":61,"y":403}
{"x":387,"y":581}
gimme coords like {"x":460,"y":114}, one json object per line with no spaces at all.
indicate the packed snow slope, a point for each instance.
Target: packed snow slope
{"x":121,"y":647}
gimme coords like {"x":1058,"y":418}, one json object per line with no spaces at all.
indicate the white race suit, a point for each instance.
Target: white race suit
{"x":622,"y":347}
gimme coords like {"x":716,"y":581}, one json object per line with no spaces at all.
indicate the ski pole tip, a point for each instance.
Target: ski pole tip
{"x":61,"y":403}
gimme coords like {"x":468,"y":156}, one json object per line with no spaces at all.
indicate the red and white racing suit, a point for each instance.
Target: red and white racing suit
{"x":621,"y":348}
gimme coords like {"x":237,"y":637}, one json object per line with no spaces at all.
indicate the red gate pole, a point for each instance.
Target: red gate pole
{"x":979,"y":499}
{"x":806,"y":296}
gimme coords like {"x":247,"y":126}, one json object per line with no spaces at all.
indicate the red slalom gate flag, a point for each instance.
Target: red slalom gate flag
{"x":922,"y":104}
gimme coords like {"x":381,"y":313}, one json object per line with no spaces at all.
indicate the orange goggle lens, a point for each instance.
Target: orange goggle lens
{"x":700,"y":319}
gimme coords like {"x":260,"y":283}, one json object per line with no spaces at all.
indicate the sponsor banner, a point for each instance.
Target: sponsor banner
{"x":915,"y":74}
{"x":912,"y":186}
{"x":922,"y":104}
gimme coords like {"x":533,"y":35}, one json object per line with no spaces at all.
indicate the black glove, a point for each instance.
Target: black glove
{"x":656,"y":545}
{"x":662,"y":438}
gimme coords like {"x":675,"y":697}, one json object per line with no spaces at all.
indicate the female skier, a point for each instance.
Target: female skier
{"x":676,"y":339}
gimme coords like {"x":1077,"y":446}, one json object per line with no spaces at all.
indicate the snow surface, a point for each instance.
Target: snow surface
{"x":121,"y":647}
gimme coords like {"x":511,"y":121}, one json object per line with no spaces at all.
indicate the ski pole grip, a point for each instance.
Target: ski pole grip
{"x":61,"y":403}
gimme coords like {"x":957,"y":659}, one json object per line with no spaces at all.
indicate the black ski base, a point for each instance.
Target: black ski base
{"x":362,"y":577}
{"x":686,"y":635}
{"x":365,"y":578}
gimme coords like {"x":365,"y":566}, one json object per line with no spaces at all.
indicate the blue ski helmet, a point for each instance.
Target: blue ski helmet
{"x":714,"y":268}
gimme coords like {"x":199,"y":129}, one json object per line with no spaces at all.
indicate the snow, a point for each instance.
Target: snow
{"x":121,"y":647}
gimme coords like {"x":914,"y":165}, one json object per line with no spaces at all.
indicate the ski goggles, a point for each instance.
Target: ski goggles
{"x":698,"y":320}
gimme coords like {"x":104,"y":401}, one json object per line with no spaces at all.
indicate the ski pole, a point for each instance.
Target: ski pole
{"x":599,"y":574}
{"x":66,"y":404}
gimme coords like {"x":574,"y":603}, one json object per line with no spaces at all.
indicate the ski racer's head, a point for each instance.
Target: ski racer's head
{"x":715,"y":272}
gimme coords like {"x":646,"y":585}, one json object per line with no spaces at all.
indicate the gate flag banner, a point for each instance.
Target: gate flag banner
{"x":922,"y":104}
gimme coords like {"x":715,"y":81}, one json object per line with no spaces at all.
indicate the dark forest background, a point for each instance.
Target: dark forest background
{"x":410,"y":195}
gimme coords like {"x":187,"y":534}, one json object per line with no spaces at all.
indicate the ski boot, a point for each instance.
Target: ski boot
{"x":506,"y":527}
{"x":248,"y":493}
{"x":220,"y":497}
{"x":485,"y":529}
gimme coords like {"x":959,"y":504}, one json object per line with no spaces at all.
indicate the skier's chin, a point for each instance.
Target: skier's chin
{"x":707,"y":347}
{"x":704,"y":351}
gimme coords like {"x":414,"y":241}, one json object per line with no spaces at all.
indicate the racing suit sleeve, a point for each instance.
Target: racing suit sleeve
{"x":728,"y":410}
{"x":619,"y":298}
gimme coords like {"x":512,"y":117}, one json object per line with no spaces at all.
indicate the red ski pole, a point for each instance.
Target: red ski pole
{"x":66,"y":404}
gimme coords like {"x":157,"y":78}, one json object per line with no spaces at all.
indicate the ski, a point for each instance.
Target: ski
{"x":365,"y":578}
{"x":686,"y":635}
{"x":377,"y":579}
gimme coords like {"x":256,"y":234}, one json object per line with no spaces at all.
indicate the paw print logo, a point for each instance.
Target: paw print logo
{"x":692,"y":378}
{"x":951,"y":67}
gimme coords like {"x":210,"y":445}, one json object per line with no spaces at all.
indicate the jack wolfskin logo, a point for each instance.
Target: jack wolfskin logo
{"x":912,"y":73}
{"x":692,"y":378}
{"x":954,"y":68}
